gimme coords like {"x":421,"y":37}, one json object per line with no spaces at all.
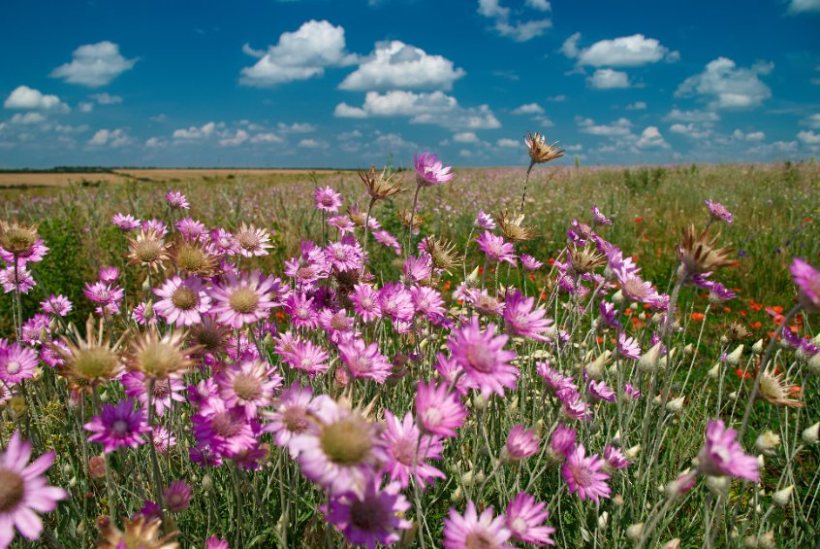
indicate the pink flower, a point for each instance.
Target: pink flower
{"x":471,"y":530}
{"x":599,"y":390}
{"x":807,"y":279}
{"x":58,"y":305}
{"x":439,"y":411}
{"x":496,"y":248}
{"x":365,"y":361}
{"x":407,"y":451}
{"x":17,"y":363}
{"x":246,"y":299}
{"x":327,"y":199}
{"x":520,"y":319}
{"x":183,"y":301}
{"x":214,"y":542}
{"x":562,"y":442}
{"x":165,"y":392}
{"x":250,"y":385}
{"x":222,"y":429}
{"x":430,"y":171}
{"x":525,"y":520}
{"x":177,"y":496}
{"x":291,"y":417}
{"x":118,"y":425}
{"x":584,"y":476}
{"x":125,"y":222}
{"x":177,"y":200}
{"x":396,"y":302}
{"x":614,"y":458}
{"x":599,"y":218}
{"x":24,"y":489}
{"x":308,"y":357}
{"x":16,"y":280}
{"x":718,"y":211}
{"x":366,"y":302}
{"x":521,"y":443}
{"x":530,"y":263}
{"x":484,"y":221}
{"x":372,"y":518}
{"x":723,"y":455}
{"x":482,"y":355}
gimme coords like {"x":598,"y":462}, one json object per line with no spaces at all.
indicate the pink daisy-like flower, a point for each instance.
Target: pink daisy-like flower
{"x":418,"y":268}
{"x":341,"y":451}
{"x":24,"y":491}
{"x":327,"y":199}
{"x":250,"y":385}
{"x":58,"y":305}
{"x":525,"y":520}
{"x":485,"y":221}
{"x":214,"y":542}
{"x":471,"y":530}
{"x":17,"y":363}
{"x":439,"y":411}
{"x":530,"y":263}
{"x":452,"y":374}
{"x":108,"y":274}
{"x":162,"y":438}
{"x":103,"y":293}
{"x":723,"y":455}
{"x":344,"y":255}
{"x":496,"y":248}
{"x":125,"y":222}
{"x":291,"y":417}
{"x":301,"y":310}
{"x":520,"y":319}
{"x":118,"y":425}
{"x":599,"y":218}
{"x":573,"y":406}
{"x":156,"y":226}
{"x":481,"y":353}
{"x":246,"y":299}
{"x":807,"y":280}
{"x":430,"y":171}
{"x":628,"y":347}
{"x":252,"y":241}
{"x":562,"y":442}
{"x":165,"y":391}
{"x":222,"y":429}
{"x":396,"y":302}
{"x":718,"y":211}
{"x":584,"y":475}
{"x":555,"y":380}
{"x":365,"y":301}
{"x":191,"y":229}
{"x":388,"y":240}
{"x":599,"y":390}
{"x":308,"y":357}
{"x":177,"y":496}
{"x":177,"y":200}
{"x":428,"y":301}
{"x":16,"y":280}
{"x":34,"y":254}
{"x":631,"y":391}
{"x":183,"y":301}
{"x":408,"y":450}
{"x":614,"y":458}
{"x":365,"y":361}
{"x":372,"y":518}
{"x":521,"y":443}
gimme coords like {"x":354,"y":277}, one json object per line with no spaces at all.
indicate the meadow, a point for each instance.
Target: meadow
{"x":419,"y":357}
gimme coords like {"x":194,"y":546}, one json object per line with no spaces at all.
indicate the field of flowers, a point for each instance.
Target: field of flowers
{"x":427,"y":357}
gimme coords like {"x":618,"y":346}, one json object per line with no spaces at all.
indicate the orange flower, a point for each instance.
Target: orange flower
{"x":698,"y":317}
{"x":739,"y":372}
{"x":756,"y":325}
{"x":638,"y":219}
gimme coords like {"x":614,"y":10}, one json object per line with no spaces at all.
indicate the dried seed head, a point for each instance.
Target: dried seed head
{"x":513,"y":227}
{"x":699,"y":252}
{"x":586,"y":259}
{"x":140,"y":532}
{"x":442,"y":252}
{"x":159,"y":356}
{"x":17,"y":239}
{"x":148,"y":249}
{"x":87,"y":360}
{"x":539,"y":150}
{"x":774,"y":389}
{"x":406,"y":215}
{"x":193,"y":259}
{"x":737,"y":332}
{"x":379,"y":185}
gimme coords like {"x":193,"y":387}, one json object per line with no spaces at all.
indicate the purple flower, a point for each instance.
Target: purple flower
{"x":246,"y":299}
{"x":223,"y":430}
{"x":291,"y":417}
{"x":177,"y":200}
{"x":556,"y":381}
{"x":525,"y":520}
{"x":723,"y":455}
{"x":484,"y":220}
{"x":365,"y":361}
{"x":408,"y":450}
{"x":250,"y":384}
{"x":473,"y":530}
{"x":183,"y":301}
{"x":599,"y":390}
{"x":496,"y":248}
{"x":628,"y":347}
{"x":118,"y":425}
{"x":396,"y":302}
{"x":614,"y":458}
{"x":430,"y":171}
{"x":481,"y":353}
{"x":530,"y":263}
{"x":584,"y":476}
{"x":521,"y":443}
{"x":177,"y":496}
{"x":718,"y":211}
{"x":520,"y":319}
{"x":599,"y":218}
{"x":125,"y":222}
{"x":58,"y":305}
{"x":327,"y":199}
{"x":165,"y":392}
{"x":16,"y":280}
{"x":807,"y":280}
{"x":439,"y":411}
{"x":16,"y":363}
{"x":562,"y":442}
{"x":372,"y":518}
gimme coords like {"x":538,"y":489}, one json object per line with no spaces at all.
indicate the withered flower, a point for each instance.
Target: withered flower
{"x":442,"y":252}
{"x":90,"y":360}
{"x":513,"y":227}
{"x":140,"y":532}
{"x":160,"y":356}
{"x":379,"y":185}
{"x":191,"y":258}
{"x":17,"y":239}
{"x":775,"y":389}
{"x":699,"y":252}
{"x":406,"y":217}
{"x":148,"y":249}
{"x":586,"y":259}
{"x":540,"y":151}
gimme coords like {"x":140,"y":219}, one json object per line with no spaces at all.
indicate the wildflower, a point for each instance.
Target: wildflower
{"x":148,"y":249}
{"x":599,"y":218}
{"x":396,"y":302}
{"x":253,"y":242}
{"x":430,"y":171}
{"x":628,"y":347}
{"x":291,"y":417}
{"x":345,"y":255}
{"x":807,"y":280}
{"x":341,"y":453}
{"x":481,"y":353}
{"x":222,"y":429}
{"x":118,"y":425}
{"x":177,"y":200}
{"x":733,"y":358}
{"x":675,"y":405}
{"x":530,"y":263}
{"x":513,"y":227}
{"x":485,"y":221}
{"x":24,"y":489}
{"x":585,"y":259}
{"x":58,"y":305}
{"x":214,"y":542}
{"x":183,"y":301}
{"x":442,"y":253}
{"x":372,"y":518}
{"x":245,"y":299}
{"x":309,"y":357}
{"x":139,"y":532}
{"x":556,"y":381}
{"x":177,"y":496}
{"x":782,"y":497}
{"x":250,"y":385}
{"x":562,"y":442}
{"x":775,"y":389}
{"x":365,"y":361}
{"x":408,"y":451}
{"x":521,"y":443}
{"x":698,"y":252}
{"x":723,"y":455}
{"x":682,"y":484}
{"x":614,"y":458}
{"x":125,"y":222}
{"x":192,"y":258}
{"x":164,"y":391}
{"x":439,"y":411}
{"x":599,"y":390}
{"x":810,"y":434}
{"x":539,"y":150}
{"x":496,"y":248}
{"x":16,"y":280}
{"x":718,"y":211}
{"x":191,"y":229}
{"x":18,"y":240}
{"x":525,"y":520}
{"x":583,"y":475}
{"x":520,"y":319}
{"x":473,"y":530}
{"x":648,"y":361}
{"x":379,"y":185}
{"x":16,"y":363}
{"x":388,"y":240}
{"x":631,"y":392}
{"x":159,"y":356}
{"x":86,"y":360}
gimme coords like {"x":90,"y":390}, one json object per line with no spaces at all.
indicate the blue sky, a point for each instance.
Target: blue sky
{"x":347,"y":83}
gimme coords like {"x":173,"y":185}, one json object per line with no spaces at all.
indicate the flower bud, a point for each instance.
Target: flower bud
{"x":207,"y":483}
{"x":714,"y":371}
{"x":649,"y":360}
{"x":757,"y":347}
{"x":672,"y":544}
{"x":810,"y":434}
{"x":479,"y":402}
{"x":618,"y":297}
{"x":675,"y":405}
{"x":603,"y":520}
{"x":767,"y":442}
{"x":813,"y":364}
{"x":632,"y":453}
{"x":634,"y":531}
{"x":719,"y":486}
{"x":782,"y":497}
{"x":733,"y":358}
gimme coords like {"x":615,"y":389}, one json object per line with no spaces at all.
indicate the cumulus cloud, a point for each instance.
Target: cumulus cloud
{"x":312,"y":144}
{"x":748,"y":136}
{"x":106,"y":99}
{"x":85,"y":106}
{"x":31,"y":117}
{"x":812,"y":121}
{"x":422,"y":108}
{"x":608,"y":79}
{"x":529,"y":108}
{"x":636,"y":106}
{"x":651,"y":138}
{"x":620,"y":127}
{"x":299,"y":55}
{"x":625,"y":51}
{"x":110,"y":138}
{"x":520,"y":30}
{"x":94,"y":65}
{"x":677,"y":115}
{"x":804,"y":6}
{"x":235,"y":139}
{"x":508,"y":143}
{"x":194,"y":132}
{"x":26,"y":98}
{"x":692,"y":130}
{"x":465,"y":137}
{"x":267,"y":137}
{"x":809,"y":138}
{"x":726,"y":86}
{"x":394,"y":65}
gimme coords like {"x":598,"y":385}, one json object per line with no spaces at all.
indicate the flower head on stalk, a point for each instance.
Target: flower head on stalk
{"x":807,"y":280}
{"x":379,"y":185}
{"x":722,"y":454}
{"x":90,"y":360}
{"x":539,"y":150}
{"x":430,"y":171}
{"x":119,"y":425}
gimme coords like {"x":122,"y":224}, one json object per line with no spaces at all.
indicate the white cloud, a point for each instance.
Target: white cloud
{"x":27,"y":98}
{"x":557,"y":98}
{"x":608,"y":79}
{"x":94,"y":65}
{"x":677,"y":115}
{"x":299,"y":55}
{"x":803,"y":6}
{"x":508,"y":143}
{"x":27,"y":118}
{"x":465,"y":137}
{"x":812,"y":121}
{"x":85,"y":106}
{"x":422,"y":108}
{"x":234,"y":140}
{"x":296,"y":127}
{"x":395,"y":65}
{"x":529,"y":108}
{"x":750,"y":136}
{"x":154,"y":142}
{"x":809,"y":138}
{"x":620,"y":127}
{"x":651,"y":138}
{"x":636,"y":106}
{"x":693,"y":130}
{"x":519,"y":30}
{"x":194,"y":132}
{"x":625,"y":51}
{"x":726,"y":86}
{"x":110,"y":138}
{"x":107,"y":99}
{"x":312,"y":144}
{"x":266,"y":137}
